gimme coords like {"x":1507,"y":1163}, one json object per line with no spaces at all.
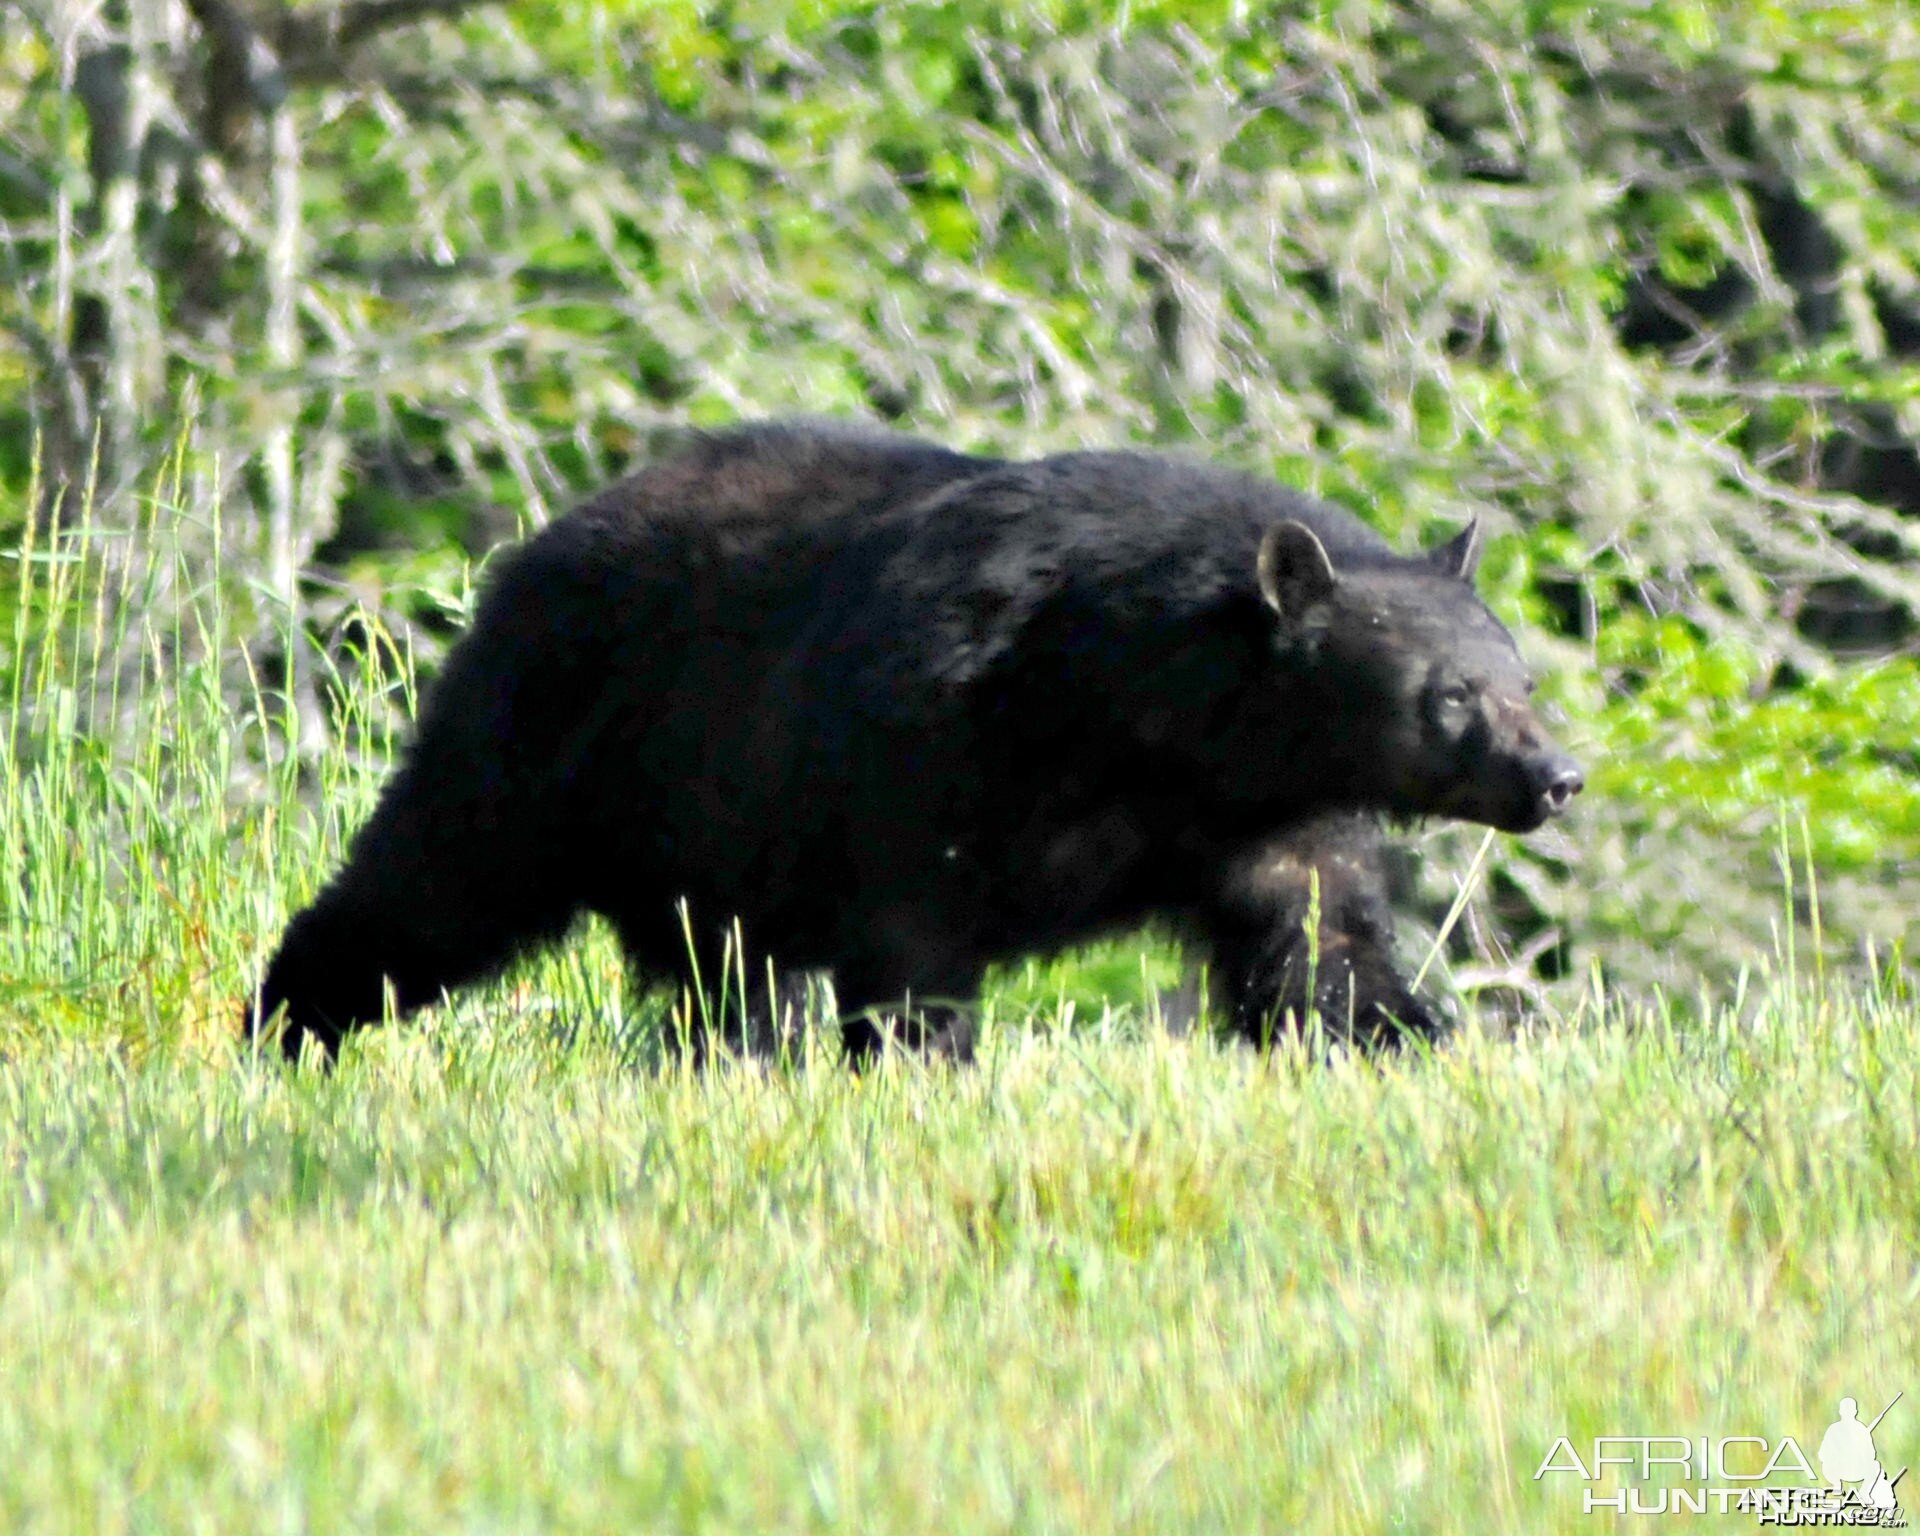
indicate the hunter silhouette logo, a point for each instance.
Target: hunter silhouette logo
{"x":1847,"y":1456}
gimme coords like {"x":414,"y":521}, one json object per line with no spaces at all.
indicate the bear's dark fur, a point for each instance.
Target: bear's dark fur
{"x":898,"y":713}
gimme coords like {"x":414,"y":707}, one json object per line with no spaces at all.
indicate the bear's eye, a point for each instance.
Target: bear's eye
{"x":1455,"y":696}
{"x":1533,"y":687}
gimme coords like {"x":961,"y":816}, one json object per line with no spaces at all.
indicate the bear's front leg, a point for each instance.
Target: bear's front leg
{"x":1271,"y":963}
{"x":910,"y":975}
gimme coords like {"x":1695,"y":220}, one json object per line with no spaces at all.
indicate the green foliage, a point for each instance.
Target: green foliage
{"x":1707,"y":734}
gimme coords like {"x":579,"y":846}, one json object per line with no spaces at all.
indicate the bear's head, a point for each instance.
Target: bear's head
{"x":1421,"y":689}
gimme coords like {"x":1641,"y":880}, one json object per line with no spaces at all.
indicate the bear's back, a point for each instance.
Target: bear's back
{"x":741,"y":488}
{"x":713,"y":540}
{"x":1122,"y":508}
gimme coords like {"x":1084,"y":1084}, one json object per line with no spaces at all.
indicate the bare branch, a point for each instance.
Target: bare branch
{"x":316,"y":46}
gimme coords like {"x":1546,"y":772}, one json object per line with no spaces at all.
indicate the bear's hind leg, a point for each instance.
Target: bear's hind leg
{"x":1272,"y":970}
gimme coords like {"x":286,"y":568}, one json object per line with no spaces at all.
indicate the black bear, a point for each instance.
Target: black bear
{"x":862,"y":706}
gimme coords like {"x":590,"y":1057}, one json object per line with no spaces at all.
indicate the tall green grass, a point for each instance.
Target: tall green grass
{"x":1101,"y":1283}
{"x":506,"y":1270}
{"x":154,"y":823}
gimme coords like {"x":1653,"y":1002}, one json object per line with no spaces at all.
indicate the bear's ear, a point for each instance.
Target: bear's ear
{"x":1459,"y":557}
{"x":1295,"y":572}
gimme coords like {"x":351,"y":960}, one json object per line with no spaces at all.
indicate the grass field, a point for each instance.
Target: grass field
{"x":511,"y":1271}
{"x":483,"y":1280}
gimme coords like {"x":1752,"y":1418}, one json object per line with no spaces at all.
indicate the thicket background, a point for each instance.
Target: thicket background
{"x":384,"y":281}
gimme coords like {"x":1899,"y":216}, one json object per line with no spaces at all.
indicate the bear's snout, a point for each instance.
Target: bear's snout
{"x":1555,"y":779}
